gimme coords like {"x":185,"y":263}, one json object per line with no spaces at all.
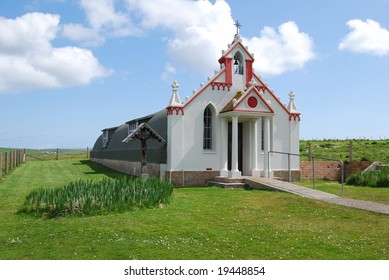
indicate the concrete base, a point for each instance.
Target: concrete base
{"x":224,"y":173}
{"x":235,"y":174}
{"x":256,"y":173}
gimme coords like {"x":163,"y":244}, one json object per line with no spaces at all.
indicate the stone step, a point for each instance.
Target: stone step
{"x":228,"y":180}
{"x":226,"y":185}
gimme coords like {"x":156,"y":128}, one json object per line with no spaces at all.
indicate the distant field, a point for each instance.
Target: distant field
{"x":371,"y":150}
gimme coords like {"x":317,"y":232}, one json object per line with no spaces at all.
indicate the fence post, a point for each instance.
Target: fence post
{"x":24,"y":155}
{"x":1,"y":165}
{"x":313,"y":172}
{"x":10,"y":161}
{"x":6,"y":162}
{"x":57,"y":154}
{"x":17,"y":157}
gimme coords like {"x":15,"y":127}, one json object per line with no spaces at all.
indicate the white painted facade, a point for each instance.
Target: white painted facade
{"x":245,"y":121}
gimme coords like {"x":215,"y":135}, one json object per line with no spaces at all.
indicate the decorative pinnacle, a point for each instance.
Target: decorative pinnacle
{"x":292,"y":105}
{"x":292,"y":95}
{"x":175,"y":86}
{"x":175,"y":99}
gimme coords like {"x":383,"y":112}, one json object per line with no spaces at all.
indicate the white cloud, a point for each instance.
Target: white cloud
{"x":195,"y":25}
{"x":79,"y":33}
{"x":29,"y":61}
{"x":103,"y":21}
{"x":200,"y":30}
{"x":366,"y":37}
{"x":285,"y":50}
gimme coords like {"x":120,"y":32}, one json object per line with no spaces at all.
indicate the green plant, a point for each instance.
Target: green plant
{"x":376,"y":179}
{"x":94,"y":197}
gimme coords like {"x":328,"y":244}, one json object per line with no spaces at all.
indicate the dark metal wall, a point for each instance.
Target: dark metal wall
{"x":116,"y":150}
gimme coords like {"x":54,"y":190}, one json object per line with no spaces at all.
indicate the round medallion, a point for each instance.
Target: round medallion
{"x":252,"y":102}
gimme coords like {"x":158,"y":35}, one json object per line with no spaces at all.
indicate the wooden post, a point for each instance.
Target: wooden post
{"x":351,"y":152}
{"x":14,"y":155}
{"x":349,"y":167}
{"x":6,"y":162}
{"x":57,"y":153}
{"x":10,"y":161}
{"x":17,"y":157}
{"x":24,"y":155}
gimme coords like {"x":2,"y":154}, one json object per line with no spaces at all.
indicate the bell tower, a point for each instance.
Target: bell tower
{"x":237,"y":61}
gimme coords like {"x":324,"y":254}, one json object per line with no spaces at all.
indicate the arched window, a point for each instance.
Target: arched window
{"x":207,"y":135}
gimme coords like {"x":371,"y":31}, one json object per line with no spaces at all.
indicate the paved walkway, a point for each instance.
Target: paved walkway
{"x":268,"y":183}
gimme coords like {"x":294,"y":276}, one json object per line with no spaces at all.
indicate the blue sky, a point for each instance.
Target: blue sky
{"x":69,"y":68}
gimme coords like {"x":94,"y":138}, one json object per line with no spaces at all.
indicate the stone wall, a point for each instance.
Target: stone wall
{"x":190,"y":178}
{"x":330,"y":170}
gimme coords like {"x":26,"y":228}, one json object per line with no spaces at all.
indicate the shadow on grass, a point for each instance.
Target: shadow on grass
{"x":99,"y":169}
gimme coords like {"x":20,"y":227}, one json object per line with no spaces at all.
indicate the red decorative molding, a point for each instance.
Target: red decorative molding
{"x":221,"y":85}
{"x":294,"y":117}
{"x":171,"y":110}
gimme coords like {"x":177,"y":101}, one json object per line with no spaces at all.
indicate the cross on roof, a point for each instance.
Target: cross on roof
{"x":237,"y":25}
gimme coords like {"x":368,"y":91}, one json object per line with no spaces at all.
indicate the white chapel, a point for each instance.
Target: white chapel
{"x":233,"y":125}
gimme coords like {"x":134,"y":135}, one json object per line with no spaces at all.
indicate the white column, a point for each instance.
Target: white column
{"x":256,"y":148}
{"x":224,"y":147}
{"x":267,"y":147}
{"x":234,"y":151}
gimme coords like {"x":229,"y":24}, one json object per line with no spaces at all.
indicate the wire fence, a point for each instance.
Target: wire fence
{"x":9,"y":160}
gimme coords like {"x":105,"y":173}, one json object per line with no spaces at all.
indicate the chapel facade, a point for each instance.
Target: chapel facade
{"x":232,"y":126}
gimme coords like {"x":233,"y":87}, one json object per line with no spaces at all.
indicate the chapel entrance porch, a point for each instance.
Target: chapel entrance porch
{"x":245,"y":140}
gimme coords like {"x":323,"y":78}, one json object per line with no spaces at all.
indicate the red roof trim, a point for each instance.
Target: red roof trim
{"x":233,"y":46}
{"x":204,"y":87}
{"x":272,"y":94}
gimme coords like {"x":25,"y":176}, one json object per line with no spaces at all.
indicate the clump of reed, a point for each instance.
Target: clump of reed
{"x":98,"y":197}
{"x":375,"y":179}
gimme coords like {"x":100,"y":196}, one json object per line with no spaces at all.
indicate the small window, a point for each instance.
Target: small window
{"x":105,"y":138}
{"x":207,"y":136}
{"x":132,"y":126}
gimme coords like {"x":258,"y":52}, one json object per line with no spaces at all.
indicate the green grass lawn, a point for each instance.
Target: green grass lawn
{"x":379,"y":195}
{"x":200,"y":223}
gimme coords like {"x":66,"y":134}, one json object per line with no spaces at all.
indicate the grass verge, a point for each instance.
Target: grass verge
{"x":200,"y":223}
{"x":379,"y":195}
